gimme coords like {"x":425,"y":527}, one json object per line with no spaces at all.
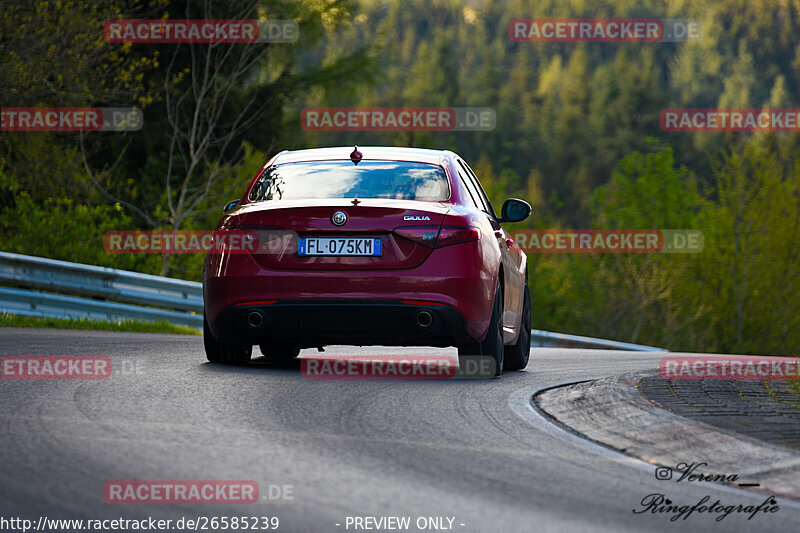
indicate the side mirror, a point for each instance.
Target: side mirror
{"x":515,"y":210}
{"x":230,"y":205}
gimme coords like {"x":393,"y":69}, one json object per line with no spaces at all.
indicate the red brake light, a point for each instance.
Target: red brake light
{"x":457,"y":234}
{"x":424,"y":235}
{"x":432,"y":237}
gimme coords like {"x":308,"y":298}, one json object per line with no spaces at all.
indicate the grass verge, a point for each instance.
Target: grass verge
{"x":9,"y":320}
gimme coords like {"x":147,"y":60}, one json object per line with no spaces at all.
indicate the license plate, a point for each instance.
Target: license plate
{"x":347,"y":246}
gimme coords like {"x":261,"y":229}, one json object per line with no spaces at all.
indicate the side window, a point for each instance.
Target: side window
{"x":473,"y":194}
{"x":483,"y":200}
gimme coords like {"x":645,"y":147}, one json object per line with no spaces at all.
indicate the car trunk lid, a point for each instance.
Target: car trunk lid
{"x":280,"y":226}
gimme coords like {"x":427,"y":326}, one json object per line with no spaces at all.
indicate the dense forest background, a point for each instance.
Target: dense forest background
{"x":577,"y":136}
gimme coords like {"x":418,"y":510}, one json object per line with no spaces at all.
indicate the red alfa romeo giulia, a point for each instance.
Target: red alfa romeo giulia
{"x":368,"y":246}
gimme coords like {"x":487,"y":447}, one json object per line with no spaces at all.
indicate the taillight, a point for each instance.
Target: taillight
{"x":424,"y":235}
{"x":456,"y":234}
{"x":432,"y":237}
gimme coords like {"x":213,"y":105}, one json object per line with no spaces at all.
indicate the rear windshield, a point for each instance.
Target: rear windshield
{"x":343,"y":179}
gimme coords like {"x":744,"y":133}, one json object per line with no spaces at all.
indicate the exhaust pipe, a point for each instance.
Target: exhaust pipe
{"x":424,"y":319}
{"x":255,"y":319}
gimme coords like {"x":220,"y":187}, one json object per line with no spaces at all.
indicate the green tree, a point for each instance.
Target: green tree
{"x":752,"y":263}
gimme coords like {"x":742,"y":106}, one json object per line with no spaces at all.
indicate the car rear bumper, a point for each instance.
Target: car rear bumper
{"x":316,"y":322}
{"x":366,"y":306}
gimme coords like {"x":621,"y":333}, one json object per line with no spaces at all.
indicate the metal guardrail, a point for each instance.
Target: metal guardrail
{"x":110,"y":292}
{"x":548,"y":339}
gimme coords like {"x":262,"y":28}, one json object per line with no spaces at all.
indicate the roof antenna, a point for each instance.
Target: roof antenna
{"x":356,"y":156}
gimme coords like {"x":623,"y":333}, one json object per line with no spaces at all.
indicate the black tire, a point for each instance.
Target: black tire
{"x":279,"y":351}
{"x":516,"y":356}
{"x":228,"y":353}
{"x":492,"y":345}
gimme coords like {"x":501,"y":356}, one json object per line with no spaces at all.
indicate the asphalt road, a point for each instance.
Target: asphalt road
{"x":464,"y":449}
